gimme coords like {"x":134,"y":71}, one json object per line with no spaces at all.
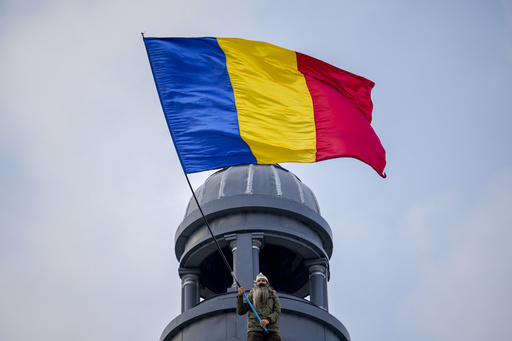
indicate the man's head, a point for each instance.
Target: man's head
{"x":261,"y":290}
{"x":262,"y":280}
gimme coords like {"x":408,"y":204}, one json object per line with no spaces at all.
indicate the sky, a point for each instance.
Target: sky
{"x":91,"y":190}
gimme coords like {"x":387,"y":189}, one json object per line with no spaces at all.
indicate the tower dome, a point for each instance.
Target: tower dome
{"x":254,"y":181}
{"x":261,"y":199}
{"x":266,"y":220}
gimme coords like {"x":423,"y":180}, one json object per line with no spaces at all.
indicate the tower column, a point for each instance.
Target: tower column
{"x":241,"y":248}
{"x":318,"y":282}
{"x":189,"y":288}
{"x":257,"y":243}
{"x":231,"y":239}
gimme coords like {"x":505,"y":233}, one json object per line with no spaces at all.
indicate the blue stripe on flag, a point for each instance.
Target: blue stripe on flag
{"x":198,"y":102}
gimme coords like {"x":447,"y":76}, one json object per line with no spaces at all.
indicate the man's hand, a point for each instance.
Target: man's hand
{"x":241,"y":291}
{"x":264,"y":323}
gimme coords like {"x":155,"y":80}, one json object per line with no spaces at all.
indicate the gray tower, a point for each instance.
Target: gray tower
{"x":265,"y":220}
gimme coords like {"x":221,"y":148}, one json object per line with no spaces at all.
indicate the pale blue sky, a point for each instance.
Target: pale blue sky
{"x":91,"y":190}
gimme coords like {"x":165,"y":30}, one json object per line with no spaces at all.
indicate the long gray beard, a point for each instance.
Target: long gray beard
{"x":260,"y":295}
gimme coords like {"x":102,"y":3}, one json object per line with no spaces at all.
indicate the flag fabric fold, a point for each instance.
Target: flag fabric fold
{"x":232,"y":101}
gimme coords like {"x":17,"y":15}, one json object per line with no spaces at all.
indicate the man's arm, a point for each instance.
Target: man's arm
{"x":276,"y":312}
{"x":241,"y":306}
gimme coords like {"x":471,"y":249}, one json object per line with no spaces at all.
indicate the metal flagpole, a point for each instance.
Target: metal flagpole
{"x":220,"y":250}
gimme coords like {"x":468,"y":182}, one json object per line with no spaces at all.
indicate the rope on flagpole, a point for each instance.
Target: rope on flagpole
{"x":220,"y":250}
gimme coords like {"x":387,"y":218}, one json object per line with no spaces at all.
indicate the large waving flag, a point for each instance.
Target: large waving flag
{"x":233,"y":101}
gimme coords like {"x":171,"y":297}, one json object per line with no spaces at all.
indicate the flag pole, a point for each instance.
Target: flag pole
{"x":220,"y":250}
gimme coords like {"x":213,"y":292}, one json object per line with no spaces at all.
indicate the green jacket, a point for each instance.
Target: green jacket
{"x":271,"y":311}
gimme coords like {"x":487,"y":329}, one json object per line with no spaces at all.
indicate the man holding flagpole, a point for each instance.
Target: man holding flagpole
{"x":267,"y":305}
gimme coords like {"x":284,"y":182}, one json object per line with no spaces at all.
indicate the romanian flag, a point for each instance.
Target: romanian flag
{"x":233,"y":101}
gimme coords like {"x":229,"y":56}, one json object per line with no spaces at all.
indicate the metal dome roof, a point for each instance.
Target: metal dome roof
{"x":254,"y":180}
{"x":255,"y":199}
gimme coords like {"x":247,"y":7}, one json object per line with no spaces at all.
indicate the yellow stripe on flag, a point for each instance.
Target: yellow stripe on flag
{"x":275,"y":109}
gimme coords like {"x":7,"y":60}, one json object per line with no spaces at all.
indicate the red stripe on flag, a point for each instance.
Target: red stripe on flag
{"x":343,"y":107}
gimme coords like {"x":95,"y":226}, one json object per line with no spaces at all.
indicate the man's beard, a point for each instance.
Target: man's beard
{"x":260,"y":295}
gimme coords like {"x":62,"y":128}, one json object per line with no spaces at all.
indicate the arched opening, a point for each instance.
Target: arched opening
{"x":284,"y":268}
{"x":215,"y":277}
